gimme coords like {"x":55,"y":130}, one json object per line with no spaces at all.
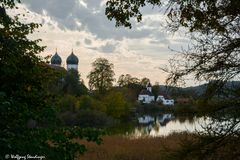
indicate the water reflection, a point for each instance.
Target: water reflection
{"x":146,"y":119}
{"x":165,"y":124}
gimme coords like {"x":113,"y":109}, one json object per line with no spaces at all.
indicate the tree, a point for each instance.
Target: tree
{"x":67,"y":82}
{"x":28,"y":120}
{"x":101,"y":77}
{"x":131,"y":83}
{"x":116,"y":104}
{"x":145,"y":81}
{"x":156,"y":89}
{"x":89,"y":103}
{"x":127,"y":80}
{"x":55,"y":86}
{"x":122,"y":81}
{"x":73,"y":85}
{"x":68,"y":103}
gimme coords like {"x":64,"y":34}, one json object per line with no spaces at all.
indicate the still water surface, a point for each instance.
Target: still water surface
{"x":165,"y":124}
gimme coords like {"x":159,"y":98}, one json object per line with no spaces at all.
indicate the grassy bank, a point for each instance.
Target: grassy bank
{"x":118,"y":147}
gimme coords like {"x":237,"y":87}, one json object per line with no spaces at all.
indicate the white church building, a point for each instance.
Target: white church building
{"x":165,"y":100}
{"x":146,"y":96}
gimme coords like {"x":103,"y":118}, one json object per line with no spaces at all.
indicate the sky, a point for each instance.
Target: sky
{"x":81,"y":26}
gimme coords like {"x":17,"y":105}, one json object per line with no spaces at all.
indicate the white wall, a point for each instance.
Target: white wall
{"x":146,"y":98}
{"x":168,"y":102}
{"x":149,"y":89}
{"x":59,"y":65}
{"x":165,"y":101}
{"x":72,"y":66}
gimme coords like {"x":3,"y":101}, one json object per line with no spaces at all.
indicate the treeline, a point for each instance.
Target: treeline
{"x":103,"y":104}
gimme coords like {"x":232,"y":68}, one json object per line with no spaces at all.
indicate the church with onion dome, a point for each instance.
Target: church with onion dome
{"x":72,"y":61}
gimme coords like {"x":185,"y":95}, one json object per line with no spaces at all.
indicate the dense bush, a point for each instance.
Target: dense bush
{"x":87,"y":118}
{"x":93,"y":118}
{"x":87,"y":102}
{"x":88,"y":111}
{"x":116,"y":105}
{"x":68,"y":103}
{"x":69,"y":118}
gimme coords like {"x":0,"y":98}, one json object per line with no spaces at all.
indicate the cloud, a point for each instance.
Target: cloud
{"x":78,"y":43}
{"x":58,"y":8}
{"x":87,"y":41}
{"x":93,"y":3}
{"x":89,"y":15}
{"x":159,"y":41}
{"x":82,"y":25}
{"x":108,"y":47}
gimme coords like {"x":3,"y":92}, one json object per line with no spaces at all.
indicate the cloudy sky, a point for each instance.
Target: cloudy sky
{"x":81,"y":25}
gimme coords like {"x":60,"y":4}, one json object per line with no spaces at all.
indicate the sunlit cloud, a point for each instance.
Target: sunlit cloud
{"x":81,"y":25}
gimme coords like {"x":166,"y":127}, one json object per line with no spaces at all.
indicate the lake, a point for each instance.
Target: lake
{"x":165,"y":124}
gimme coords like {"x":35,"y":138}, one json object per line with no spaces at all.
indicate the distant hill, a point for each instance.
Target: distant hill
{"x":194,"y":91}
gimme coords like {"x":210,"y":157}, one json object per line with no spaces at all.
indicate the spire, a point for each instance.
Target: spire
{"x":149,"y":87}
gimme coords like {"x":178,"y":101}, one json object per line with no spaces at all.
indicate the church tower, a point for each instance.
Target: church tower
{"x":72,"y":62}
{"x":56,"y":60}
{"x":149,"y":87}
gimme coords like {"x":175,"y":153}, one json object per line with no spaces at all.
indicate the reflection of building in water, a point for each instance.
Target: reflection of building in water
{"x":161,"y":120}
{"x":164,"y":119}
{"x":171,"y":124}
{"x":145,"y":119}
{"x":151,"y":125}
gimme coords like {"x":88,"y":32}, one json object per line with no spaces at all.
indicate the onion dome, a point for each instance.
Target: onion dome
{"x":56,"y":59}
{"x":72,"y":59}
